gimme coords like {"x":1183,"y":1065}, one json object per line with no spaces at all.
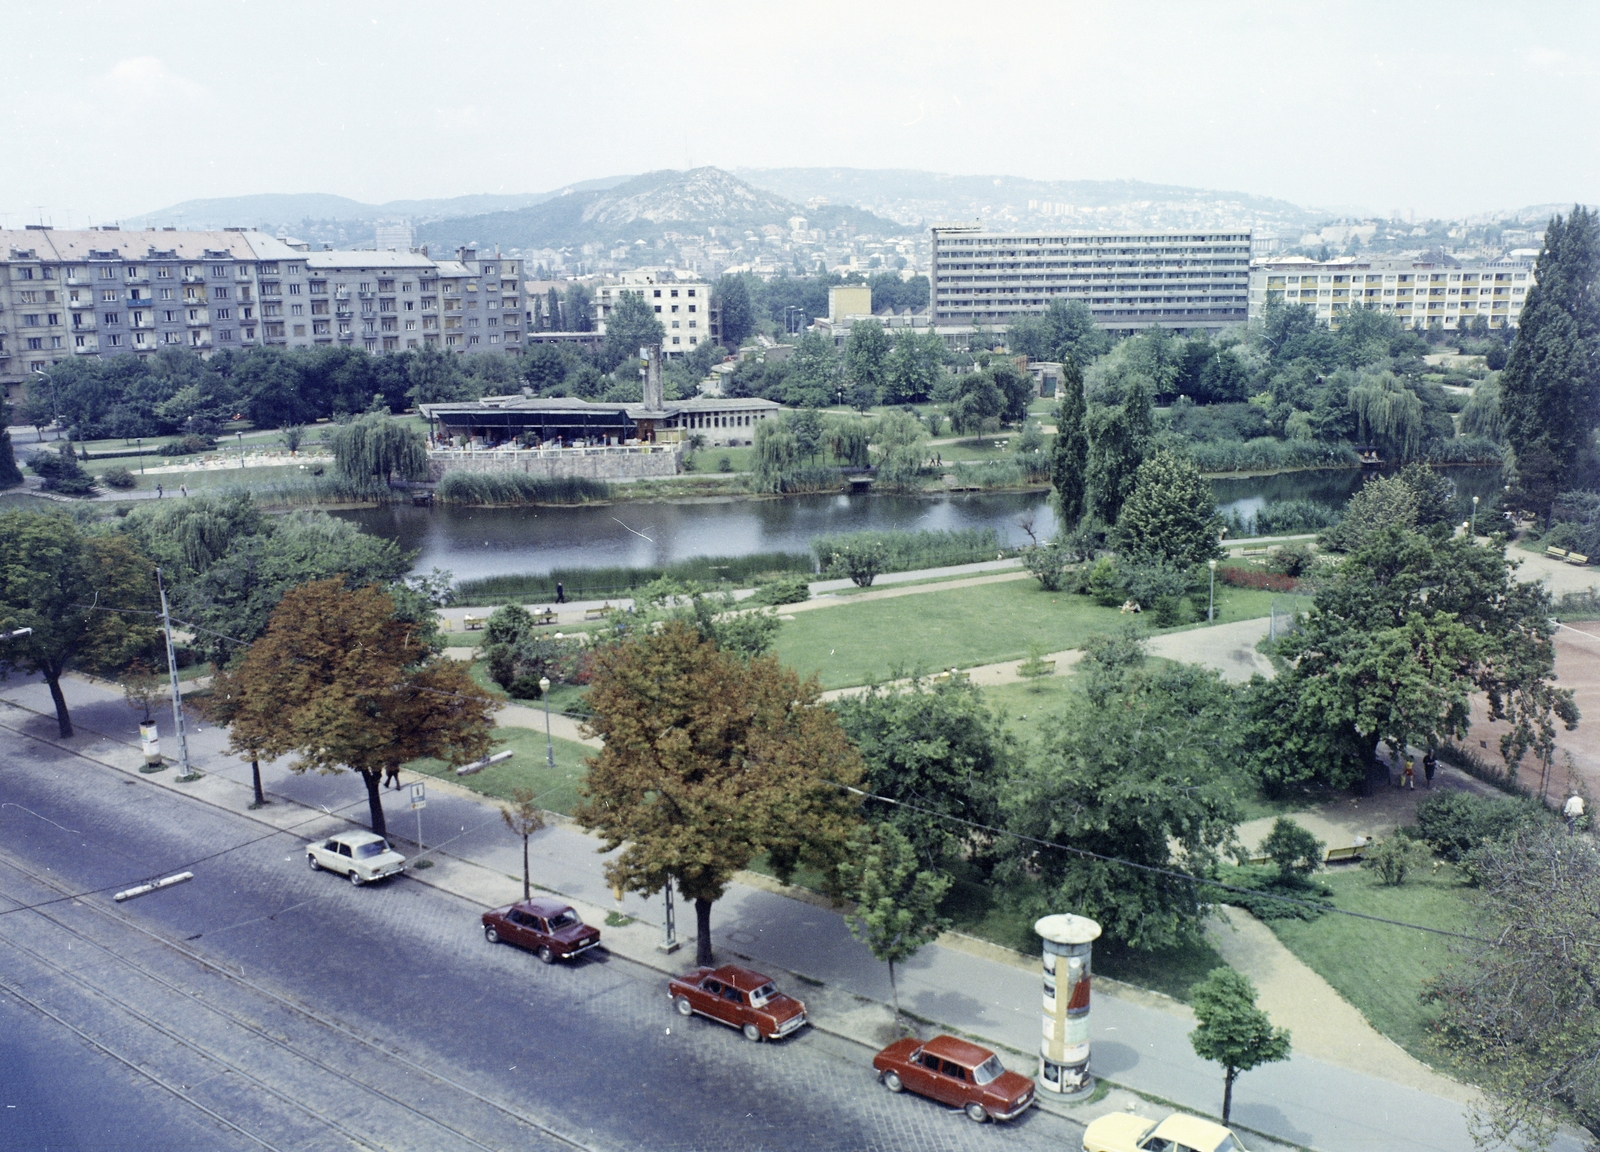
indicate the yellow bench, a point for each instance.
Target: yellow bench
{"x":1577,"y":558}
{"x":473,"y":623}
{"x":1558,"y":553}
{"x":1346,"y":855}
{"x":599,"y":613}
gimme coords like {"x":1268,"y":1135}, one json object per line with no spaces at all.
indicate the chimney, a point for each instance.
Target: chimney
{"x":651,"y":355}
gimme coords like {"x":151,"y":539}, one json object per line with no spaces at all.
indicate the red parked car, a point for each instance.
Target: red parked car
{"x":549,"y":927}
{"x":956,"y":1073}
{"x":747,"y":1000}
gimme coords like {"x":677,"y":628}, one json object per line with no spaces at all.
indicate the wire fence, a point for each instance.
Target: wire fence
{"x":1286,"y":615}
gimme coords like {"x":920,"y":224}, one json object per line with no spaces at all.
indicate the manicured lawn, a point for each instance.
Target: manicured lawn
{"x":1379,"y":968}
{"x":199,"y":479}
{"x":985,"y":624}
{"x":556,"y":790}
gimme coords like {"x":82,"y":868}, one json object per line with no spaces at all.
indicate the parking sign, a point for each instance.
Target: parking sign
{"x":419,"y":795}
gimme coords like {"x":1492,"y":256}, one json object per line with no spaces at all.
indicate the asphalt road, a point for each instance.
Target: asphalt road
{"x":263,"y":1006}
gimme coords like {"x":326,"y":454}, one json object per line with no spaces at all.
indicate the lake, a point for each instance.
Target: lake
{"x":477,"y":542}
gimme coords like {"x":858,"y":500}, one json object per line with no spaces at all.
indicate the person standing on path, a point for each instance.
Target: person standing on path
{"x":561,"y":593}
{"x":391,"y":776}
{"x":158,"y":491}
{"x":1430,"y":765}
{"x":184,"y":488}
{"x":1409,"y":776}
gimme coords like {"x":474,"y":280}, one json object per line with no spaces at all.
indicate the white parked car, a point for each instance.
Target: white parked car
{"x":360,"y":856}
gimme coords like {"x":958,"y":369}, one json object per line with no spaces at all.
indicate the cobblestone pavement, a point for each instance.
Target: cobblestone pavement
{"x":263,"y":1005}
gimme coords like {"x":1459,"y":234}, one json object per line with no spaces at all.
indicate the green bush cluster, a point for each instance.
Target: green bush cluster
{"x":909,"y":551}
{"x":1264,"y":453}
{"x":1454,"y":823}
{"x":785,"y":590}
{"x":119,"y":478}
{"x":597,"y":583}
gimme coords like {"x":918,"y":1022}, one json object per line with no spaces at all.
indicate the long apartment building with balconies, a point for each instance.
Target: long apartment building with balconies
{"x":683,"y":306}
{"x":1422,"y":293}
{"x":105,"y":292}
{"x":1131,"y":281}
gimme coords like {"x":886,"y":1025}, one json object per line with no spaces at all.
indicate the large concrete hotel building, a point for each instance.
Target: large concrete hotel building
{"x":105,"y":292}
{"x":1130,"y":280}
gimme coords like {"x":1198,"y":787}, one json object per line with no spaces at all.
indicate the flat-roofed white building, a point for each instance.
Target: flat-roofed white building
{"x":1421,"y":293}
{"x":1182,"y":280}
{"x":682,"y":306}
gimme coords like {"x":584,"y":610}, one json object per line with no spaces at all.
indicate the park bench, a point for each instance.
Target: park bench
{"x":954,"y":674}
{"x":548,"y":616}
{"x":1254,"y":551}
{"x":1558,"y":553}
{"x":1261,"y":858}
{"x":599,"y":613}
{"x":1345,"y":855}
{"x":1577,"y":558}
{"x":471,"y":623}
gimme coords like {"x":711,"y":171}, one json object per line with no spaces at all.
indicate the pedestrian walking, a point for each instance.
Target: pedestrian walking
{"x":184,"y":488}
{"x":1409,"y":776}
{"x":158,"y":491}
{"x":1430,"y":765}
{"x":561,"y":593}
{"x":391,"y":777}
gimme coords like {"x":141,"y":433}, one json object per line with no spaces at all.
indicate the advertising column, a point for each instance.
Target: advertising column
{"x":1064,"y":1051}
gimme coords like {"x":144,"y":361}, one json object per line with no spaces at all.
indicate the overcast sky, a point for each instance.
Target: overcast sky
{"x":1444,"y":108}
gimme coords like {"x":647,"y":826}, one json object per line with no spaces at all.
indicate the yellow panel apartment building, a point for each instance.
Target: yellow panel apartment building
{"x":1421,"y":293}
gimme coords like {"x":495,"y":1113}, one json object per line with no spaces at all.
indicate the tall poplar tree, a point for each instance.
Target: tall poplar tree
{"x":1070,"y":458}
{"x":1550,"y":389}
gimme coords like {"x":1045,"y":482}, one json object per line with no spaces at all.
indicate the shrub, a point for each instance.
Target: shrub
{"x":507,"y":624}
{"x":1264,"y":452}
{"x":1293,"y":517}
{"x":1293,"y":559}
{"x":1292,"y":848}
{"x":786,"y":590}
{"x":724,"y":464}
{"x":1104,"y":583}
{"x":595,"y":583}
{"x":1047,"y":563}
{"x":1297,"y":898}
{"x":119,"y":478}
{"x":525,"y":688}
{"x":1463,"y":450}
{"x":861,"y":560}
{"x":1454,"y":823}
{"x":1256,"y":578}
{"x":1395,"y":858}
{"x":61,"y":472}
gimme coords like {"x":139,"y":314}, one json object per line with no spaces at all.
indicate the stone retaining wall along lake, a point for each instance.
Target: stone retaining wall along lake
{"x":632,"y":462}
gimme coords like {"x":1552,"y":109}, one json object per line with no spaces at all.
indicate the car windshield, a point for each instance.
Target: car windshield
{"x":564,"y":920}
{"x":375,"y":848}
{"x":762,"y":994}
{"x":1229,"y":1144}
{"x":989,"y":1070}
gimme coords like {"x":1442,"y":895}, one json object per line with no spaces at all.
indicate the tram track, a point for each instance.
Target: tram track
{"x":298,"y":1052}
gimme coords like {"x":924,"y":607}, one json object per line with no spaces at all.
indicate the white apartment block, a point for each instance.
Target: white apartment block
{"x":104,"y":292}
{"x":1130,"y":280}
{"x":682,"y":306}
{"x":1423,"y":294}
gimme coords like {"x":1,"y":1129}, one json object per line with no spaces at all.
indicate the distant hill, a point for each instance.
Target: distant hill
{"x":909,"y":195}
{"x":270,"y":211}
{"x":642,"y":208}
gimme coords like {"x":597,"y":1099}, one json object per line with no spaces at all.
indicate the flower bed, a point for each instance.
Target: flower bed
{"x":1255,"y":578}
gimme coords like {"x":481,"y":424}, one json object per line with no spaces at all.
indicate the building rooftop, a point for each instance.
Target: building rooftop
{"x":141,"y":244}
{"x":366,"y":258}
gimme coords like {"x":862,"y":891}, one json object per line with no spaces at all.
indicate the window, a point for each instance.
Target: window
{"x":164,"y":273}
{"x":411,"y":325}
{"x":170,"y":316}
{"x":194,"y":315}
{"x":411,"y":305}
{"x":132,"y":271}
{"x":166,"y":293}
{"x":297,"y":309}
{"x":299,"y":329}
{"x":113,"y":317}
{"x":27,"y":273}
{"x":30,"y":321}
{"x":109,"y":294}
{"x":319,"y":327}
{"x":115,"y":341}
{"x":36,"y":343}
{"x":105,"y":274}
{"x":691,"y":293}
{"x":657,"y":295}
{"x":691,"y":307}
{"x":222,"y":314}
{"x":674,"y":307}
{"x":225,"y":334}
{"x":294,"y":289}
{"x":658,"y":307}
{"x":80,"y":341}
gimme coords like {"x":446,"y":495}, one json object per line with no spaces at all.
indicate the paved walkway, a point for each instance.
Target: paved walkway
{"x":1140,"y":1040}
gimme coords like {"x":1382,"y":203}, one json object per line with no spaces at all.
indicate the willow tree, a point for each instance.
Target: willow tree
{"x":1390,"y":414}
{"x":777,"y":451}
{"x":846,"y":437}
{"x":375,"y":446}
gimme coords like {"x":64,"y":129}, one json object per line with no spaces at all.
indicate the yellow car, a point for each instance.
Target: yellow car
{"x":1125,"y":1132}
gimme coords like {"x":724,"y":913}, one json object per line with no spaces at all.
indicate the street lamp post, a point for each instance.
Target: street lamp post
{"x":549,"y":746}
{"x":139,"y":441}
{"x":240,"y":435}
{"x":1211,"y":603}
{"x":1474,"y":515}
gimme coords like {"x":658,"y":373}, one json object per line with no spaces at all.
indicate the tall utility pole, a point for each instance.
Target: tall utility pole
{"x":177,"y":694}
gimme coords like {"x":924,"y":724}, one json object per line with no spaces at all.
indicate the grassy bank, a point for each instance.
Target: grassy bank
{"x":556,"y":789}
{"x":598,"y":583}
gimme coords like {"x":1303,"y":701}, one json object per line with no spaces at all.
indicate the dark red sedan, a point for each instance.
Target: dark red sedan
{"x":739,"y":997}
{"x":548,"y":927}
{"x":956,"y":1073}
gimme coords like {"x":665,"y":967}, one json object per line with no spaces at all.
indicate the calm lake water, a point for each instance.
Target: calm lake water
{"x":477,"y":542}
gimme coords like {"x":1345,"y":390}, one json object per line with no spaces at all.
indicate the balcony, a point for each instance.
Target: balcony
{"x":80,"y":303}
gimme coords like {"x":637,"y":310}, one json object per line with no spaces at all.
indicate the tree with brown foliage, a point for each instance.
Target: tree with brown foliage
{"x":338,"y":680}
{"x":710,"y":761}
{"x":524,"y":817}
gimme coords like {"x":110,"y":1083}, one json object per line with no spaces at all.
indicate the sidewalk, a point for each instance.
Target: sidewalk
{"x":1140,"y":1040}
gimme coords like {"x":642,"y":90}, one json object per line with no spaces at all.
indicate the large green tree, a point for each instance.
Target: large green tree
{"x":1118,"y":436}
{"x":732,"y":298}
{"x":10,"y":474}
{"x":1138,"y":766}
{"x":866,"y":361}
{"x":1401,"y":635}
{"x":936,"y":748}
{"x":342,"y":682}
{"x":89,"y":599}
{"x":708,"y":762}
{"x":630,"y":326}
{"x":914,"y":367}
{"x":1171,"y":515}
{"x":376,"y":447}
{"x":1070,"y":454}
{"x":1550,"y":388}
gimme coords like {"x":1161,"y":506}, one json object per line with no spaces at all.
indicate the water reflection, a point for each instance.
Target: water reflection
{"x":477,"y":542}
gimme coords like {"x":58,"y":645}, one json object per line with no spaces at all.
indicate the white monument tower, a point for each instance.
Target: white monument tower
{"x":1064,"y":1051}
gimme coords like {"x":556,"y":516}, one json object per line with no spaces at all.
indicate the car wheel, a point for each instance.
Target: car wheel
{"x":546,"y":954}
{"x":683,"y":1006}
{"x":490,"y":934}
{"x":752,"y":1033}
{"x":976,"y":1114}
{"x":893,"y":1083}
{"x":312,"y":860}
{"x":355,"y":878}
